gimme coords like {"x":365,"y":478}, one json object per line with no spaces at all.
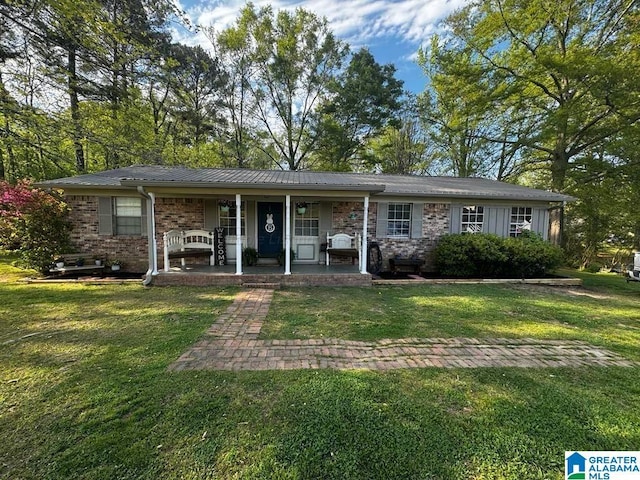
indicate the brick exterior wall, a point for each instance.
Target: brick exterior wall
{"x":171,"y":213}
{"x":131,"y":250}
{"x":178,"y":214}
{"x":435,"y":223}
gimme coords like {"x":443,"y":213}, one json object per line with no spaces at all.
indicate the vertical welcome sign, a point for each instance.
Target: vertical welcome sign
{"x":220,"y":246}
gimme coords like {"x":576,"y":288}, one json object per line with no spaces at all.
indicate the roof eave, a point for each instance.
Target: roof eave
{"x":372,"y":189}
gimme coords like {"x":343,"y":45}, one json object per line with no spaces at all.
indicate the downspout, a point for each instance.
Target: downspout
{"x":151,"y":236}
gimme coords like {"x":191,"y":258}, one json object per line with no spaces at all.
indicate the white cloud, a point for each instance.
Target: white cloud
{"x":356,"y":21}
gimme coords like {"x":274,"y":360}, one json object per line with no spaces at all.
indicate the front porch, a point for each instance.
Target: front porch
{"x":272,"y":276}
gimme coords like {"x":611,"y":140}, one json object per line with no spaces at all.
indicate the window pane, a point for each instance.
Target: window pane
{"x":520,"y":220}
{"x":128,"y":207}
{"x":127,"y":215}
{"x":399,"y":220}
{"x":307,"y":224}
{"x":472,"y":219}
{"x":228,"y":219}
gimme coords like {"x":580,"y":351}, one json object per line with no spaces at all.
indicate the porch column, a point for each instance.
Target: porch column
{"x":287,"y":235}
{"x":238,"y":235}
{"x":154,"y":240}
{"x":365,"y":227}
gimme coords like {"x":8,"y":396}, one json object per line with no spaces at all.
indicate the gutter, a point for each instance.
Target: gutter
{"x":151,"y":236}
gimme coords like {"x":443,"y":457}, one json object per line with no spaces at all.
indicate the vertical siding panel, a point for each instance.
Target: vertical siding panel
{"x":210,"y":214}
{"x":326,"y":220}
{"x":249,"y":218}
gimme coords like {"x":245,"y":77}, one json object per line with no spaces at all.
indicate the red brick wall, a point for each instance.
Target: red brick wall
{"x":435,"y":223}
{"x":171,"y":213}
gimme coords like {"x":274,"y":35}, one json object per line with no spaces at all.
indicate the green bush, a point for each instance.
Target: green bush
{"x":489,"y":256}
{"x":33,"y":222}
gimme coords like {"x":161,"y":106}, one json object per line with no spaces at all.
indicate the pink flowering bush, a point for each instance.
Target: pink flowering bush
{"x":33,"y":222}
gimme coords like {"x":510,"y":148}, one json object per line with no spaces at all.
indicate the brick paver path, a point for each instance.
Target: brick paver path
{"x":232,"y":344}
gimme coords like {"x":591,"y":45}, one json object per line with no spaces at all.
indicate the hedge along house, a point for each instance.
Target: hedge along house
{"x":125,"y":213}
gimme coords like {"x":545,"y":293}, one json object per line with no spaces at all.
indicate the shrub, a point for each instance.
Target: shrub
{"x":249,"y":256}
{"x":490,"y":256}
{"x":34,"y":223}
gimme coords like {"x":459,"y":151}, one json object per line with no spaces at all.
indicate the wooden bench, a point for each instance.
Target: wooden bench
{"x":397,"y":263}
{"x":74,"y":262}
{"x":184,"y":244}
{"x":343,"y":245}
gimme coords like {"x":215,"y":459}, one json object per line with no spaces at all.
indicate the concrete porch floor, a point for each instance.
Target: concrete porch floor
{"x":273,"y":276}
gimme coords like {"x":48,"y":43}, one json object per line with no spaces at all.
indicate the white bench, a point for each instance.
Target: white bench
{"x":188,"y":243}
{"x":343,"y":245}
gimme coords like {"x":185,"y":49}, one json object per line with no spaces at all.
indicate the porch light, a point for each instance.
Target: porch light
{"x":225,"y":205}
{"x":301,"y":207}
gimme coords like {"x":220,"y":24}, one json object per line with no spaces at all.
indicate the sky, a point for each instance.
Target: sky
{"x":393,"y":30}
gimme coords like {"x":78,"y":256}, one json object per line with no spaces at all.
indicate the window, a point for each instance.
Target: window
{"x":472,"y":219}
{"x":127,"y":215}
{"x":307,"y":224}
{"x":399,"y":220}
{"x":520,"y":220}
{"x":228,"y":217}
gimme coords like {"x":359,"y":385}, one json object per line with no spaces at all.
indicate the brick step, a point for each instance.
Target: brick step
{"x":268,"y":285}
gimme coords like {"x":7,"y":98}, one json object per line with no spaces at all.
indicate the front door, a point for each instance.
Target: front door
{"x":270,"y":229}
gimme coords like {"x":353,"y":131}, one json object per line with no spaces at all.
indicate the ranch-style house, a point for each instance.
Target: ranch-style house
{"x":192,"y":225}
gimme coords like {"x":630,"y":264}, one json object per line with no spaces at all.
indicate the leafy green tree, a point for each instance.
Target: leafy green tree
{"x":365,"y":98}
{"x":563,"y":72}
{"x":294,"y":57}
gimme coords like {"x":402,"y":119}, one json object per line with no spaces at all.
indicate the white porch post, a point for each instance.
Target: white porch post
{"x":238,"y":235}
{"x":365,"y":227}
{"x":154,"y":240}
{"x":287,"y":236}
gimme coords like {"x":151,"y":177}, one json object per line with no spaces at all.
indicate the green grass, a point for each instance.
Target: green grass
{"x":85,"y":392}
{"x":606,"y":312}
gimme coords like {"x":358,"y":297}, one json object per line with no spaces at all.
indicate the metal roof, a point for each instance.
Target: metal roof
{"x":385,"y":185}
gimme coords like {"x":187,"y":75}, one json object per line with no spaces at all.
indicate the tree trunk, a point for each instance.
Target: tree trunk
{"x":75,"y":111}
{"x":6,"y":167}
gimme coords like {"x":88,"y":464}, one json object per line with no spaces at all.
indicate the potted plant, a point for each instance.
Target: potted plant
{"x":98,"y":262}
{"x":301,"y":207}
{"x":115,"y":265}
{"x":59,"y":262}
{"x":80,"y":262}
{"x":225,"y":205}
{"x":282,"y":255}
{"x":250,"y":256}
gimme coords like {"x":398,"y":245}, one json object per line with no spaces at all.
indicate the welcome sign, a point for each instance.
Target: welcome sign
{"x":597,"y":465}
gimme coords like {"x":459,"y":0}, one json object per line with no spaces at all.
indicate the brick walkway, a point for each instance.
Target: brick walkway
{"x":232,"y":344}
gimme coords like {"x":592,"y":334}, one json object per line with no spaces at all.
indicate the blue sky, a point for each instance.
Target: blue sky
{"x":393,"y":30}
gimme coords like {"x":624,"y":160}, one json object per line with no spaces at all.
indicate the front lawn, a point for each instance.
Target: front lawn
{"x":606,"y":312}
{"x":85,"y":392}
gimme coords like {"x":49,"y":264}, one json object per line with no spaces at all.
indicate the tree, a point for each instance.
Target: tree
{"x":563,"y":72}
{"x":234,"y":47}
{"x":195,"y":81}
{"x":401,"y":148}
{"x":294,"y":56}
{"x":365,"y":98}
